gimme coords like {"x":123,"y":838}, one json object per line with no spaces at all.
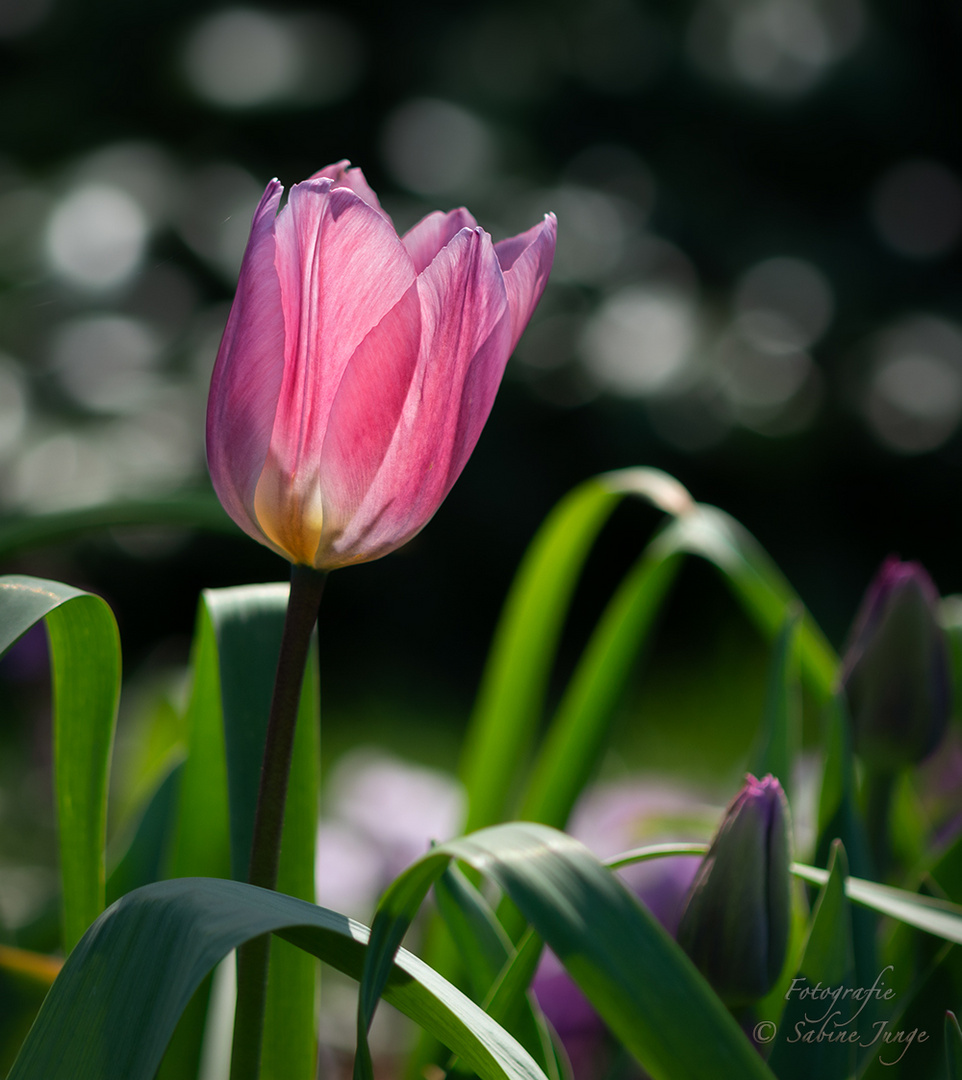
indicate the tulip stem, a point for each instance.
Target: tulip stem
{"x":879,"y":788}
{"x":307,"y":585}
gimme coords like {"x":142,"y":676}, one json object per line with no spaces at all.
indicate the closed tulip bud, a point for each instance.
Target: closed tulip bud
{"x":359,"y":367}
{"x":736,"y":917}
{"x":895,"y":672}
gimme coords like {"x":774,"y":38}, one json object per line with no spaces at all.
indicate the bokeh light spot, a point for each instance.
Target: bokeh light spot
{"x":95,"y":237}
{"x":13,"y":403}
{"x":433,"y":147}
{"x":216,"y":220}
{"x":241,"y":57}
{"x":19,"y":17}
{"x":614,"y":169}
{"x":142,"y":170}
{"x":60,"y":472}
{"x":596,"y":232}
{"x":914,"y":398}
{"x":105,"y":361}
{"x":784,"y":303}
{"x":779,"y":47}
{"x":917,"y":209}
{"x":640,"y":339}
{"x":769,"y":388}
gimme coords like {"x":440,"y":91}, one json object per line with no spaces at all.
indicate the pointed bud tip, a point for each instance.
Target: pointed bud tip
{"x":735,"y":922}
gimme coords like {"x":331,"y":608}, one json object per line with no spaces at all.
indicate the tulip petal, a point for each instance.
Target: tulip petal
{"x":344,"y":175}
{"x":424,"y":240}
{"x":465,"y":338}
{"x":526,"y":261}
{"x":342,"y":268}
{"x":357,"y":369}
{"x":247,"y":373}
{"x":366,"y":411}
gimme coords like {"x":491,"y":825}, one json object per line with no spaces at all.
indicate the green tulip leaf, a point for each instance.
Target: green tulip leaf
{"x":473,"y":925}
{"x":144,"y":855}
{"x":114,"y":1005}
{"x":512,"y":693}
{"x":939,"y":917}
{"x":637,"y":978}
{"x":487,"y":951}
{"x":85,"y":662}
{"x":780,"y":734}
{"x":828,"y":958}
{"x":511,"y":697}
{"x":237,"y":641}
{"x":579,"y":730}
{"x":756,"y":582}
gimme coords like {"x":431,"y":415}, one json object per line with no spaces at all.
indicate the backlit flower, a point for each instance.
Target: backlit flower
{"x":359,"y":367}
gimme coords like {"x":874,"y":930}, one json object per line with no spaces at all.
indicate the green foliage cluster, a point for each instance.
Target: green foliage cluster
{"x":134,"y":999}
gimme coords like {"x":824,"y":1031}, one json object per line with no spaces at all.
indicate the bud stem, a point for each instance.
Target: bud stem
{"x":307,"y":585}
{"x":879,"y":785}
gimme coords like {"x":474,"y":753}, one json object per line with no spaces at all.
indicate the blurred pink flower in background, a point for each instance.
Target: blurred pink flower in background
{"x":358,"y":367}
{"x":381,"y":814}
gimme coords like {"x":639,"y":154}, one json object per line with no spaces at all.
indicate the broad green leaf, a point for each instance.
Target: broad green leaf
{"x":505,"y":998}
{"x":828,"y":960}
{"x":939,"y":875}
{"x":488,"y":953}
{"x":641,"y":983}
{"x":474,"y":928}
{"x":200,"y":846}
{"x":146,"y":849}
{"x":235,"y":655}
{"x":248,"y":621}
{"x":85,"y":658}
{"x":111,"y":1011}
{"x":511,"y":697}
{"x":780,"y":734}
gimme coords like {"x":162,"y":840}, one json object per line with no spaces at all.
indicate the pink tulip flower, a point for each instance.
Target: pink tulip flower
{"x":358,"y":367}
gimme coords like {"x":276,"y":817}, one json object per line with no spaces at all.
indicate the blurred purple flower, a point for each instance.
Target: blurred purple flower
{"x":382,"y":814}
{"x":895,"y":672}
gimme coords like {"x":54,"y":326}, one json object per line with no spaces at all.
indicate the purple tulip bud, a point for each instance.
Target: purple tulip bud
{"x":358,"y":367}
{"x":736,"y":918}
{"x":895,"y":671}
